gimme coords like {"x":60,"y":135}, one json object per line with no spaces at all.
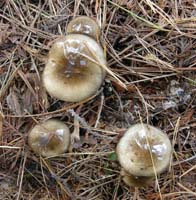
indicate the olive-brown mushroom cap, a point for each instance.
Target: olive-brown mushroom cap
{"x":84,"y":25}
{"x":49,"y":138}
{"x":144,"y":149}
{"x":74,"y":69}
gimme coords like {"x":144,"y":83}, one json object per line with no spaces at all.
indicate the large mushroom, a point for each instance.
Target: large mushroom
{"x":84,"y":25}
{"x":143,"y":152}
{"x":75,"y":68}
{"x":49,"y":138}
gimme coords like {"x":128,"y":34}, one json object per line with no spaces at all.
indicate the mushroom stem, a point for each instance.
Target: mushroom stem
{"x":136,"y":181}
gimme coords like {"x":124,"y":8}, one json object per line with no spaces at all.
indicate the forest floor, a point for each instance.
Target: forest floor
{"x":151,"y":46}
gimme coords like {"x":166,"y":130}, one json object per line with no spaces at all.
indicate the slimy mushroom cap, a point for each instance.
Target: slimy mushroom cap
{"x":73,"y":71}
{"x":49,"y":138}
{"x":144,"y":149}
{"x":84,"y":25}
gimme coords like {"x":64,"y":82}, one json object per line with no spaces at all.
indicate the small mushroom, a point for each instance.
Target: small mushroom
{"x":49,"y":138}
{"x":74,"y":69}
{"x":84,"y":25}
{"x":143,"y":152}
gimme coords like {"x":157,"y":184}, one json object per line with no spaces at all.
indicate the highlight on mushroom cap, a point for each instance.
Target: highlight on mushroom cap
{"x":143,"y":150}
{"x":84,"y":25}
{"x":49,"y":138}
{"x":74,"y":69}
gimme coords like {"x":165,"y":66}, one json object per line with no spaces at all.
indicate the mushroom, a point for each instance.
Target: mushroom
{"x":84,"y":25}
{"x":49,"y":138}
{"x":74,"y":70}
{"x":143,"y":152}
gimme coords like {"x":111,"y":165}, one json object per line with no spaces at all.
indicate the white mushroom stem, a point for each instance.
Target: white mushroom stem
{"x":135,"y":181}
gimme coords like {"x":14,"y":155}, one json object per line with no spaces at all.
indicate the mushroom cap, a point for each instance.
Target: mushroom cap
{"x":84,"y":25}
{"x":73,"y":71}
{"x":140,"y":145}
{"x":49,"y":138}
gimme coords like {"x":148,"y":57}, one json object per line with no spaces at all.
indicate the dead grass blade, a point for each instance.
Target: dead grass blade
{"x":155,"y":26}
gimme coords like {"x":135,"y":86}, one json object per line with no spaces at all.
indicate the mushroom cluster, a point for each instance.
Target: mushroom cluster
{"x":74,"y":70}
{"x":143,"y":152}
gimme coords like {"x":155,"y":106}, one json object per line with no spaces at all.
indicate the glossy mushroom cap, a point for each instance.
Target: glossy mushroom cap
{"x":73,"y":71}
{"x":84,"y":25}
{"x":49,"y":138}
{"x":144,"y":149}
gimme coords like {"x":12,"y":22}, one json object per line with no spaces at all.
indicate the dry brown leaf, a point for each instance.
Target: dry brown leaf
{"x":186,"y":118}
{"x":13,"y":102}
{"x":28,"y":100}
{"x":119,"y":88}
{"x":75,"y":136}
{"x":3,"y":32}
